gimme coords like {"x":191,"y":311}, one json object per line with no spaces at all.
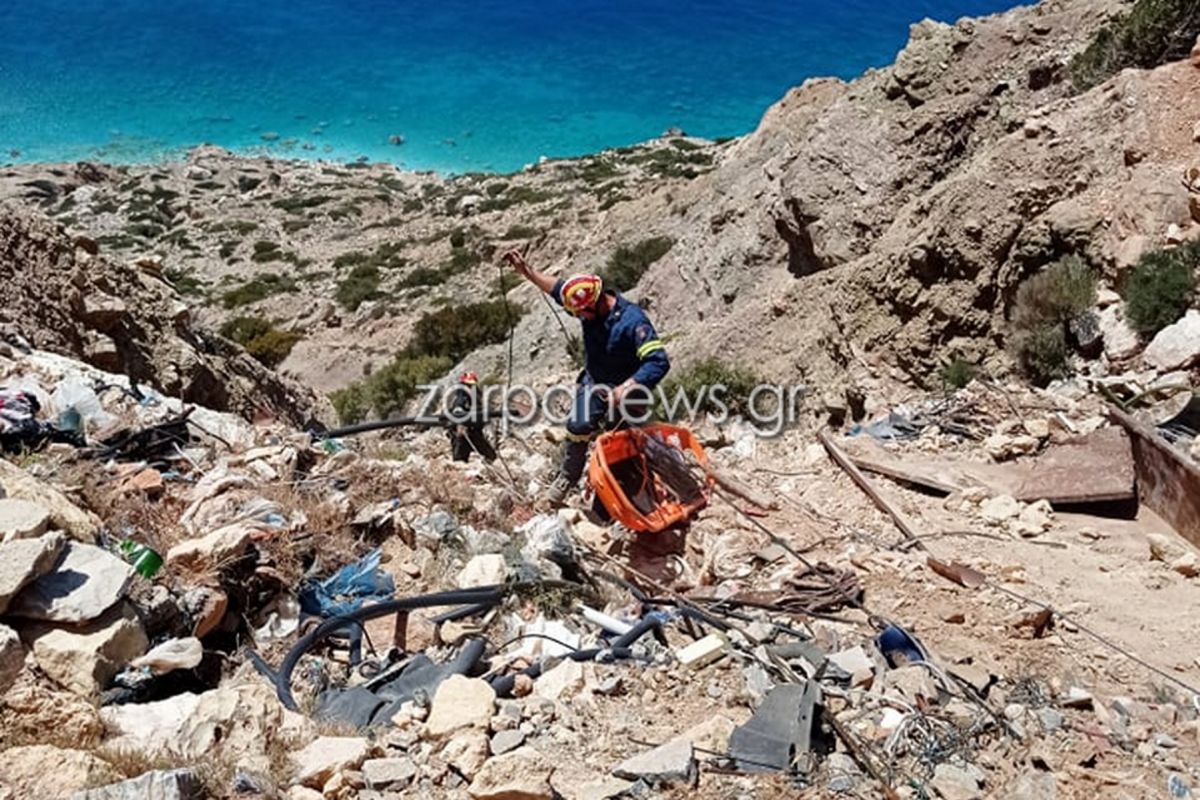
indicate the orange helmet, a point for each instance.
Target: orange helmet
{"x":469,"y":378}
{"x":581,"y":293}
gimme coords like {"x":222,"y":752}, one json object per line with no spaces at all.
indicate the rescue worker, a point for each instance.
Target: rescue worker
{"x":623,"y":360}
{"x":467,"y":418}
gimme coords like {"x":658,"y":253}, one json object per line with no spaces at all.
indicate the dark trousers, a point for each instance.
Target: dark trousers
{"x":472,"y":439}
{"x":591,"y":415}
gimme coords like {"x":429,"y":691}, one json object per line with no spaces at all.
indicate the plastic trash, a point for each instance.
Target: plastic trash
{"x":145,"y":560}
{"x":78,"y":405}
{"x":899,"y":647}
{"x":1177,"y":787}
{"x":348,"y":588}
{"x":171,"y":655}
{"x":281,"y":622}
{"x":896,"y":426}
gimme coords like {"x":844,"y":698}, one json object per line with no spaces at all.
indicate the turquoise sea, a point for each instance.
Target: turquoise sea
{"x":484,"y":85}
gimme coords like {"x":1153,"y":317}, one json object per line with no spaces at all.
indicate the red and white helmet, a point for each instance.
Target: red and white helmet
{"x":468,"y":378}
{"x":581,"y":293}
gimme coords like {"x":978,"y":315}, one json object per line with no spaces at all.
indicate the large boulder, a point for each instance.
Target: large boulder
{"x":84,"y":659}
{"x":84,"y":583}
{"x":238,"y":721}
{"x":21,"y":519}
{"x":460,"y":702}
{"x":34,"y":705}
{"x":24,"y":561}
{"x":1176,"y":346}
{"x":64,"y":514}
{"x":51,"y":773}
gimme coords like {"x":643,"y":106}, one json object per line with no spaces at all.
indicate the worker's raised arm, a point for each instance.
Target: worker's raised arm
{"x":520,"y":266}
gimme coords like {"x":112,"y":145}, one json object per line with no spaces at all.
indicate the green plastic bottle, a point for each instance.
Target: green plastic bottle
{"x":145,"y":560}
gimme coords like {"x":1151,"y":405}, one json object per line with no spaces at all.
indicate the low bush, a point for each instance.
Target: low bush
{"x":1161,"y":287}
{"x":257,"y":289}
{"x":518,"y":231}
{"x":360,"y":285}
{"x":266,"y":343}
{"x":957,"y":374}
{"x":627,"y":264}
{"x":1152,"y":33}
{"x":697,"y":384}
{"x":1046,"y":305}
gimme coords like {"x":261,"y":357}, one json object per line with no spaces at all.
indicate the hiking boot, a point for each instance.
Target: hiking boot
{"x":556,"y":495}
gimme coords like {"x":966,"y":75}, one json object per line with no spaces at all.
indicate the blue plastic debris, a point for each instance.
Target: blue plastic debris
{"x":900,"y":647}
{"x":348,"y":588}
{"x":1178,"y":787}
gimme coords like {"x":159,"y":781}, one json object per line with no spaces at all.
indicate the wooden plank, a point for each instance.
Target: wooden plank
{"x":855,"y":475}
{"x":1167,"y":482}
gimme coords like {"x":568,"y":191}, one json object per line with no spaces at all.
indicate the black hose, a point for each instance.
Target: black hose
{"x":474,"y":597}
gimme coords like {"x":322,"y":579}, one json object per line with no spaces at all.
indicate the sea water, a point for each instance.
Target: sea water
{"x":454,"y":86}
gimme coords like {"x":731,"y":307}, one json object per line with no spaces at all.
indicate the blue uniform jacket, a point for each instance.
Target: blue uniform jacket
{"x":621,"y":345}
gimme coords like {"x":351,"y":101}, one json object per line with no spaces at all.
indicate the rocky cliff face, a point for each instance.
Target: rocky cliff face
{"x":56,"y":294}
{"x":874,"y":228}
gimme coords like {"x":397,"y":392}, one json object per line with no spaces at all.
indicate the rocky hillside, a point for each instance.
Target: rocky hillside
{"x":58,"y":293}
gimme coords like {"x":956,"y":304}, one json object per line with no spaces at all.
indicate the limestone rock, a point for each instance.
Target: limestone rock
{"x":467,"y":752}
{"x":459,"y":703}
{"x":483,"y":570}
{"x":956,"y":783}
{"x":1034,"y":519}
{"x":523,"y":774}
{"x":50,"y":773}
{"x":1032,"y":785}
{"x":12,"y":657}
{"x":670,"y":763}
{"x":24,"y":561}
{"x":506,"y":741}
{"x":84,"y":659}
{"x":1196,"y":54}
{"x":316,"y":763}
{"x":219,"y":547}
{"x":568,"y":678}
{"x":84,"y":583}
{"x":1165,"y":548}
{"x":1176,"y":346}
{"x":35,"y":705}
{"x":1000,"y":509}
{"x":176,"y":784}
{"x":1120,"y":340}
{"x":22,"y":519}
{"x":910,"y":683}
{"x":64,"y":514}
{"x":389,"y":773}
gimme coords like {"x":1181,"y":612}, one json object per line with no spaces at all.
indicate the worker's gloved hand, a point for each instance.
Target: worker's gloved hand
{"x":517,"y":261}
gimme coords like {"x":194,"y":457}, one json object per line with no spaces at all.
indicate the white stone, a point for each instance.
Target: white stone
{"x":1106,"y":297}
{"x":22,"y":519}
{"x":1000,"y":509}
{"x":1165,"y":548}
{"x":64,"y":514}
{"x":316,"y":763}
{"x":83,"y":659}
{"x":84,"y":583}
{"x":388,"y":773}
{"x":176,"y":784}
{"x":484,"y":570}
{"x":24,"y":561}
{"x":12,"y":657}
{"x":1176,"y":346}
{"x":44,"y":772}
{"x":567,"y":678}
{"x":670,"y":763}
{"x":218,"y":547}
{"x":523,"y":774}
{"x":1120,"y":340}
{"x":467,"y":752}
{"x":460,"y":702}
{"x":955,"y":783}
{"x":910,"y":683}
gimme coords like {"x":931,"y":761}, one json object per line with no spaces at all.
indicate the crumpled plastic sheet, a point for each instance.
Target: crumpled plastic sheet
{"x":348,"y":588}
{"x":894,"y":427}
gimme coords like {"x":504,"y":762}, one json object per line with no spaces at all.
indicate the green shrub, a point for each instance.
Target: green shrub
{"x":696,"y":383}
{"x":1046,"y":305}
{"x":266,"y":343}
{"x":957,"y":374}
{"x":1152,"y":33}
{"x":360,"y":285}
{"x":257,"y":289}
{"x":518,"y":231}
{"x":626,"y":265}
{"x":294,"y":205}
{"x":227,"y":248}
{"x":1160,"y":288}
{"x":458,"y":238}
{"x":388,"y":389}
{"x":454,"y":331}
{"x":461,"y":260}
{"x":1043,"y":353}
{"x":184,"y":282}
{"x":422,"y":276}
